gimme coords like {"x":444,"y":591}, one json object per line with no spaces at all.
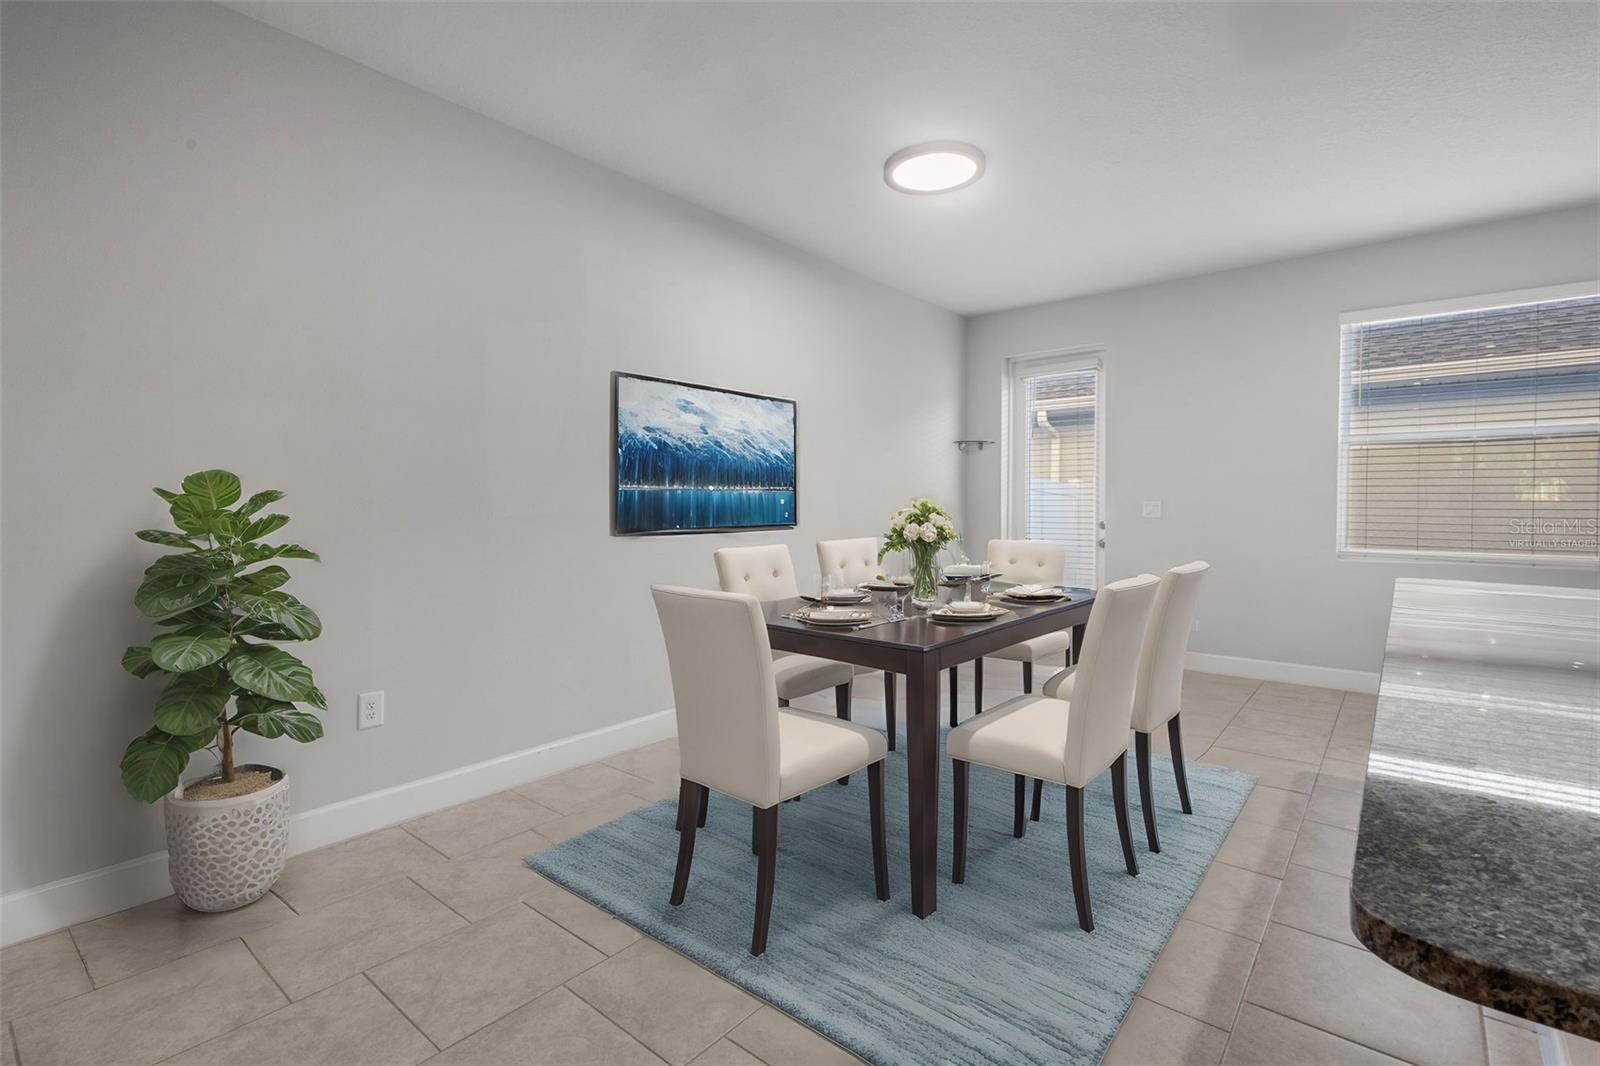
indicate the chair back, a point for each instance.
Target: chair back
{"x":1028,"y":561}
{"x":1108,"y":669}
{"x":1159,"y":693}
{"x":723,"y":691}
{"x":851,"y":561}
{"x":765,"y":571}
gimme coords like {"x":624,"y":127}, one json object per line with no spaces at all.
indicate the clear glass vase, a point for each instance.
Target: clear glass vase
{"x":924,"y":575}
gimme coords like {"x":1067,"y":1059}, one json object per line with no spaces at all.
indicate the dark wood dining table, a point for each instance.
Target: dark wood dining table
{"x":920,"y":648}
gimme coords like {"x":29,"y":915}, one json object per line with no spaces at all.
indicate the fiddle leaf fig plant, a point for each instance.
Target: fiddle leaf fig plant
{"x":221,"y":600}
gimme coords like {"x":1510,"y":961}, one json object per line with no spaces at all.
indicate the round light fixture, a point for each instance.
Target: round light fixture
{"x":938,"y":166}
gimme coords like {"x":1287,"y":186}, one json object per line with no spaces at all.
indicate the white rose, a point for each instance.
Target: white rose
{"x":928,"y":533}
{"x":898,"y":522}
{"x":913,"y":531}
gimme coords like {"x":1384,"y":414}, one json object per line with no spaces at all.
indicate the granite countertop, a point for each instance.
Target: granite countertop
{"x":1477,"y":865}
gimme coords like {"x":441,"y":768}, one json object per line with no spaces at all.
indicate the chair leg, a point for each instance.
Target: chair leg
{"x":977,"y":685}
{"x":755,"y":830}
{"x":689,"y":796}
{"x":1038,"y":795}
{"x":1077,"y":859}
{"x":888,"y":704}
{"x":766,"y":866}
{"x":841,"y":710}
{"x":1175,"y":742}
{"x":1027,"y":679}
{"x":1021,"y":790}
{"x":705,"y":804}
{"x":952,"y":697}
{"x":958,"y":858}
{"x":1147,"y":800}
{"x":880,"y":847}
{"x":1119,"y":796}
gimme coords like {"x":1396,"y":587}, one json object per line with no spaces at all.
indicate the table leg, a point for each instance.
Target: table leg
{"x":1078,"y":632}
{"x":922,"y":785}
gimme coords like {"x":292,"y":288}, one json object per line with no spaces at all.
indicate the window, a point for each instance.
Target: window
{"x":1055,"y":445}
{"x":1473,"y":432}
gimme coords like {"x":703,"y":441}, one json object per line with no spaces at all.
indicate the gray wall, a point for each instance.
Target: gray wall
{"x":1222,"y":403}
{"x":226,"y":247}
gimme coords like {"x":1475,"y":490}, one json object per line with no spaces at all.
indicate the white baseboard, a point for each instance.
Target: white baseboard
{"x":32,"y":912}
{"x":1291,"y":673}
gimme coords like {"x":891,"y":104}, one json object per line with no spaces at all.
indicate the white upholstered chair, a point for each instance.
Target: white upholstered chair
{"x":766,"y":572}
{"x":1068,"y":741}
{"x":1157,"y":700}
{"x":853,"y":561}
{"x":733,"y":737}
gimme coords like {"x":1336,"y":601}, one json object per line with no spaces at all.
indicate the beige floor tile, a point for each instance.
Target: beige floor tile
{"x":1348,"y":749}
{"x":1351,"y":993}
{"x":1315,"y":902}
{"x":1355,"y":726}
{"x":582,"y":787}
{"x":1279,"y":773}
{"x":1332,"y":803}
{"x":473,"y":976}
{"x":323,"y":947}
{"x":673,"y":1006}
{"x":1325,"y":847}
{"x":1277,"y":745}
{"x":579,"y":917}
{"x":1511,"y":1045}
{"x":1153,"y":1035}
{"x":572,"y":824}
{"x":350,"y":1024}
{"x":1202,"y":973}
{"x":1219,"y":686}
{"x":1280,"y":807}
{"x":778,"y":1040}
{"x":1234,"y":900}
{"x":151,"y":1015}
{"x":1262,"y":1038}
{"x":477,"y":885}
{"x":8,"y":1049}
{"x":1205,"y":720}
{"x":455,"y":831}
{"x":654,"y":762}
{"x":39,"y":973}
{"x":557,"y":1029}
{"x":144,"y":937}
{"x":1254,"y":846}
{"x":1270,"y":720}
{"x":1349,"y":774}
{"x":329,"y":874}
{"x":1360,"y":703}
{"x":1301,"y":694}
{"x":725,"y":1053}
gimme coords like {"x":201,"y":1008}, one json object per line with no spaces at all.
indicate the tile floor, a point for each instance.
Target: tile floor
{"x":430,"y":941}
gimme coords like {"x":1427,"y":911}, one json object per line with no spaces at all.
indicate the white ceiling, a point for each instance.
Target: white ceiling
{"x":1126,"y":142}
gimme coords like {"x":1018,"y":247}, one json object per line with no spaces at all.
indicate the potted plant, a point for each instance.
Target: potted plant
{"x":921,"y":529}
{"x":219,"y":596}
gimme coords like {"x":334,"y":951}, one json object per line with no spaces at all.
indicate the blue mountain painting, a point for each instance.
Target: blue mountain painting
{"x":691,"y":458}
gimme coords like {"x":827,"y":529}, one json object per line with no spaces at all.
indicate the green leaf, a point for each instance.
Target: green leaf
{"x":190,"y":648}
{"x":137,"y":661}
{"x":153,"y":764}
{"x":284,"y":609}
{"x":264,"y":580}
{"x":186,"y":563}
{"x":191,"y":703}
{"x":206,"y":614}
{"x":216,"y":489}
{"x":165,"y":494}
{"x":270,"y":672}
{"x":294,"y":551}
{"x":257,"y":553}
{"x":166,"y":538}
{"x":167,"y":594}
{"x":189,"y":513}
{"x":256,"y":502}
{"x":280,"y":720}
{"x":315,"y":697}
{"x":260,"y":527}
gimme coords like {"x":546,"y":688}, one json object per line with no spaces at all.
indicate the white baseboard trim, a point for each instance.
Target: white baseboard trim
{"x":32,"y":912}
{"x":1291,"y":673}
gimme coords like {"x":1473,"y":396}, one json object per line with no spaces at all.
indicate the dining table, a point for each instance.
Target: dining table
{"x":919,"y":648}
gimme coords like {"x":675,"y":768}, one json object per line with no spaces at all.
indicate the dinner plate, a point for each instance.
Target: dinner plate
{"x":1050,"y":596}
{"x":881,"y":586}
{"x":945,"y":614}
{"x":834,"y":616}
{"x":844,"y":596}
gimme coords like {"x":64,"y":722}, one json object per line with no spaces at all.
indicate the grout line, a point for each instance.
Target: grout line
{"x":401,"y":826}
{"x":81,"y":960}
{"x":442,"y":903}
{"x":1330,"y":1032}
{"x":288,"y":999}
{"x":16,"y":1049}
{"x":406,"y":1016}
{"x":274,"y":891}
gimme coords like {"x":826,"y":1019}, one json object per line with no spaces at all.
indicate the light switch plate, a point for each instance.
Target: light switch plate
{"x":1152,"y":508}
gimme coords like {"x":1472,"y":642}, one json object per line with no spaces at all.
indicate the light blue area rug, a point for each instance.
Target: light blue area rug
{"x":1000,"y":974}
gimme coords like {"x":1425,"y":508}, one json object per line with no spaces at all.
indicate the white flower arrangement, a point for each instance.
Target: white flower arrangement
{"x":922,"y":528}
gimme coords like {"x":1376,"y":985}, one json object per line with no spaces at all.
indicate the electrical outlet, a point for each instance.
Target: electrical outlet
{"x":1152,"y":508}
{"x":369,"y":710}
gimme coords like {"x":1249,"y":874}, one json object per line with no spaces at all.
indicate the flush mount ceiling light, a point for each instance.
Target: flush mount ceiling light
{"x":938,"y":166}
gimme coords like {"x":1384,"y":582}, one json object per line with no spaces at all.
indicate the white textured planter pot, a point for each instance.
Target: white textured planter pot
{"x":225,"y":853}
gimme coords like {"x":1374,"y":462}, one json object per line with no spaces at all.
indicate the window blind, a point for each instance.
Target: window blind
{"x":1474,"y":434}
{"x":1059,"y":444}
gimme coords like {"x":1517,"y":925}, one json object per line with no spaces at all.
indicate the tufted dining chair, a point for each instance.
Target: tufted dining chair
{"x":1022,"y":562}
{"x":853,"y":561}
{"x":1068,"y":741}
{"x":733,"y":737}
